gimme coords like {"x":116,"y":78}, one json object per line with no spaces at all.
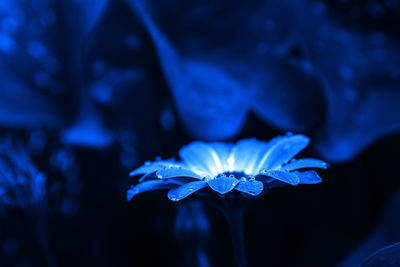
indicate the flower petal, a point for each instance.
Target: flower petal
{"x":246,"y":154}
{"x":283,"y":150}
{"x":147,"y":186}
{"x":223,"y":151}
{"x":176,"y":171}
{"x":284,"y":176}
{"x":305,"y":163}
{"x":222,"y":185}
{"x":185,"y":190}
{"x":201,"y":159}
{"x":253,"y":188}
{"x":149,"y":167}
{"x":308,"y":177}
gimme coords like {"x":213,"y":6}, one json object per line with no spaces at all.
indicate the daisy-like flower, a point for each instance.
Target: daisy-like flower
{"x":249,"y":166}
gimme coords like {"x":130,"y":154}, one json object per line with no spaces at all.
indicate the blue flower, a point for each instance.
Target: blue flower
{"x":249,"y":166}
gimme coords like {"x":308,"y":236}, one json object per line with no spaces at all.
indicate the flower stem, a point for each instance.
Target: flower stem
{"x":234,"y":219}
{"x":43,"y":241}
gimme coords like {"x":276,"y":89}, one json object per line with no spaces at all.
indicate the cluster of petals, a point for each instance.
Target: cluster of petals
{"x":249,"y":166}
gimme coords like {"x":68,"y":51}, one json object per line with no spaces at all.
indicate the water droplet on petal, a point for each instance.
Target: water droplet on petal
{"x":206,"y":178}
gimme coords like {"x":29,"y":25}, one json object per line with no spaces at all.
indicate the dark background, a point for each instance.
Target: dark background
{"x":92,"y":224}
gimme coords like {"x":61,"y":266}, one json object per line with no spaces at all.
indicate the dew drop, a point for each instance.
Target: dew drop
{"x":252,"y":178}
{"x":222,"y":175}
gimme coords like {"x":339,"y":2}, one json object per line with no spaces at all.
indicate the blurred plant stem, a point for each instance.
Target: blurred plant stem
{"x":234,"y":218}
{"x":43,"y":240}
{"x":192,"y":232}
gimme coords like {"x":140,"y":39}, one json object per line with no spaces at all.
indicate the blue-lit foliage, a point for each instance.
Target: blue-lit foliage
{"x":231,"y":66}
{"x":215,"y":77}
{"x":21,"y":184}
{"x":205,"y":95}
{"x":36,"y":74}
{"x":65,"y":191}
{"x":27,"y":62}
{"x":249,"y":166}
{"x":384,"y":257}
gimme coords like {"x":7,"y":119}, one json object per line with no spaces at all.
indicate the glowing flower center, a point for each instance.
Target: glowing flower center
{"x":248,"y":166}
